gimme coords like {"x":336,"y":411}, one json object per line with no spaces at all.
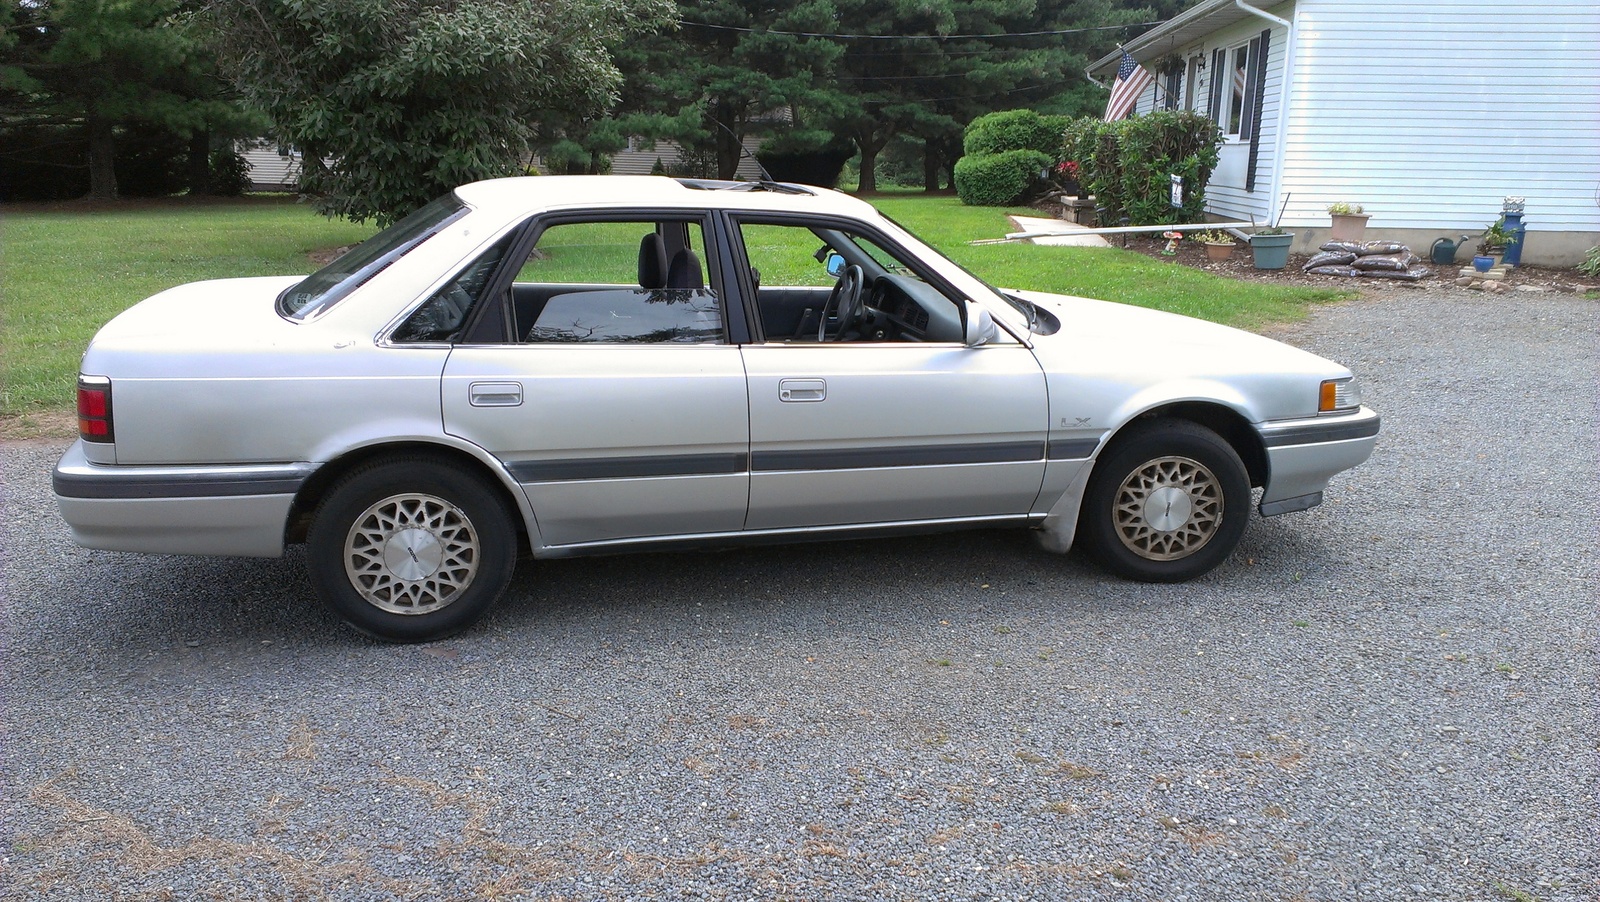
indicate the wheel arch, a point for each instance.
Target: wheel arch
{"x":316,"y":487}
{"x":1219,"y":418}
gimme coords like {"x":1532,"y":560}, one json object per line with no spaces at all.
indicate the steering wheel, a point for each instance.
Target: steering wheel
{"x":844,"y":300}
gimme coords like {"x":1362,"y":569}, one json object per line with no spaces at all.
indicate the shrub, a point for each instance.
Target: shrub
{"x":1591,"y":263}
{"x":1126,"y":164}
{"x":230,"y":174}
{"x":999,"y":179}
{"x":1014,"y":130}
{"x":809,"y":159}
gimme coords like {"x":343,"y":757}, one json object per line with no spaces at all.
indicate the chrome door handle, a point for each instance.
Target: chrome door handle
{"x":495,"y":394}
{"x":802,"y":390}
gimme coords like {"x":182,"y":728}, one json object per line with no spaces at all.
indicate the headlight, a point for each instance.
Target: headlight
{"x":1339,"y":395}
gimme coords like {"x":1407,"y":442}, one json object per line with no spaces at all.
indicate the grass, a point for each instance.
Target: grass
{"x":67,"y":271}
{"x":1109,"y":273}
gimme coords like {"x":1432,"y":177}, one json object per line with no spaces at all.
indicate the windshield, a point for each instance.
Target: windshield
{"x":328,"y":285}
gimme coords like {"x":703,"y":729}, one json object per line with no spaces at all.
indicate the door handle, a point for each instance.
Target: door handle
{"x":793,"y":390}
{"x":495,"y":394}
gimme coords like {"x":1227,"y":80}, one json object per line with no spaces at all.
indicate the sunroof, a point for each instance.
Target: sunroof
{"x":725,"y":185}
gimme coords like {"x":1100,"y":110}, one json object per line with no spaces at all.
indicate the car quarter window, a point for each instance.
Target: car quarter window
{"x":805,"y":272}
{"x":639,"y":281}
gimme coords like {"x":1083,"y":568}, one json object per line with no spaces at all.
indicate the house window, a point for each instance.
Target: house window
{"x":1172,"y":86}
{"x":1233,"y":89}
{"x":1192,"y":84}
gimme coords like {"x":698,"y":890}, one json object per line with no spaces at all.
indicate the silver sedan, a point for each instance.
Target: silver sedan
{"x":592,"y":365}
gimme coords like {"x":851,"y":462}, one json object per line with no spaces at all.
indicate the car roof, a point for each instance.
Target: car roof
{"x":520,"y":196}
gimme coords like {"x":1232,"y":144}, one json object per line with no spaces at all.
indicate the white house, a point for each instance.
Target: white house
{"x":1428,"y":113}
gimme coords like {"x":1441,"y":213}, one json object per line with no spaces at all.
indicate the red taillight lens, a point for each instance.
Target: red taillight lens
{"x":94,"y":409}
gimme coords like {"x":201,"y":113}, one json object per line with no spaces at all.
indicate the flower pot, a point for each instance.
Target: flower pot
{"x":1271,"y":251}
{"x":1482,"y":263}
{"x":1349,"y":226}
{"x":1218,"y":252}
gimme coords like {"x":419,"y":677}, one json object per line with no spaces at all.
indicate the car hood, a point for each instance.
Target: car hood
{"x":201,"y":318}
{"x":1131,"y":346}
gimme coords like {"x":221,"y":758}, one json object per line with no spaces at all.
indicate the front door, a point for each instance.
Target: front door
{"x":880,"y":414}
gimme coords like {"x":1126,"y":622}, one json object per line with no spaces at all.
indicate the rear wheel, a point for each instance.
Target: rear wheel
{"x":1167,"y":502}
{"x":411,"y":549}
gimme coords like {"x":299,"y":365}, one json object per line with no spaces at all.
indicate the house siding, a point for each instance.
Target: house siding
{"x":1226,"y":195}
{"x":1430,"y":112}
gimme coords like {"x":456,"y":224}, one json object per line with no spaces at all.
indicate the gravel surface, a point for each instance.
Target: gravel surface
{"x":1392,"y":696}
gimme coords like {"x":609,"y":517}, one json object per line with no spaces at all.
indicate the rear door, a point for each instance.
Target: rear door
{"x":616,"y":400}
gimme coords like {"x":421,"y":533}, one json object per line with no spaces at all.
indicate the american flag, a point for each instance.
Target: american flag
{"x":1132,"y":79}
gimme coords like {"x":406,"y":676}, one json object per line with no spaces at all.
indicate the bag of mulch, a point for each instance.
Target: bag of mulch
{"x":1335,"y":271}
{"x":1382,"y":246}
{"x":1329,"y":258}
{"x":1385,"y":262}
{"x":1342,"y":247}
{"x":1409,"y":275}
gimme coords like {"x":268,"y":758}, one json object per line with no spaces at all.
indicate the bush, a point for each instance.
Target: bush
{"x":230,"y":174}
{"x":1127,"y":164}
{"x":1591,"y":263}
{"x":809,"y":160}
{"x":1014,"y":130}
{"x":999,"y":179}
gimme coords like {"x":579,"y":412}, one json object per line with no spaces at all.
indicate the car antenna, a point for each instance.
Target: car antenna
{"x":766,"y":178}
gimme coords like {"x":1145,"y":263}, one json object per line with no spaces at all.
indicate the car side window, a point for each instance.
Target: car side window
{"x":632,"y":282}
{"x":801,"y":270}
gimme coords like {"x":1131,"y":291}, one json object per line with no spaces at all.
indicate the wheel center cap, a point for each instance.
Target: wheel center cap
{"x":1168,"y":508}
{"x":412,"y":554}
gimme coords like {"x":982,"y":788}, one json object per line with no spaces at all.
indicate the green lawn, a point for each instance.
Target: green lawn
{"x":65,"y":273}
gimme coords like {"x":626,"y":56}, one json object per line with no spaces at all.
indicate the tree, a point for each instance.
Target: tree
{"x":927,"y":69}
{"x":394,"y":102}
{"x":728,"y":66}
{"x":101,"y":65}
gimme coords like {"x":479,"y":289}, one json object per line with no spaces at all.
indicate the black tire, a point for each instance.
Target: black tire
{"x":1167,"y":502}
{"x":411,"y":549}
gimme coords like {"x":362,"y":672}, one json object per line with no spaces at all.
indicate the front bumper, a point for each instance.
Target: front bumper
{"x":1302,"y":455}
{"x":224,"y":510}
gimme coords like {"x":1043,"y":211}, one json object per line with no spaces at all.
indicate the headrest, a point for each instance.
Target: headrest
{"x":652,"y":262}
{"x":685,"y":271}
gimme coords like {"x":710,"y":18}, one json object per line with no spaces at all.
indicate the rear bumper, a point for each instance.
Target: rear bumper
{"x":233,"y":510}
{"x":1303,"y":455}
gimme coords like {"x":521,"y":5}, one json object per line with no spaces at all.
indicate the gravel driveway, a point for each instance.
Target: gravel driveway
{"x":1392,"y":696}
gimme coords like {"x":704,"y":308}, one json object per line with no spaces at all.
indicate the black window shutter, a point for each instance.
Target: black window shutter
{"x":1219,"y":81}
{"x":1253,"y":104}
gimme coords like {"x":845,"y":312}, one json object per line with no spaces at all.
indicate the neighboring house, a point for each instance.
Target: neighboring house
{"x":271,"y":167}
{"x":275,"y":168}
{"x":642,"y":153}
{"x":1428,"y":113}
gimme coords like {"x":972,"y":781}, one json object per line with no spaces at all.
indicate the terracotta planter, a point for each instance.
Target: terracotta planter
{"x":1349,"y":226}
{"x":1218,"y":252}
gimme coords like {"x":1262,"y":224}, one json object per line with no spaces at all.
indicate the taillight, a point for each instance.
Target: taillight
{"x":94,"y":409}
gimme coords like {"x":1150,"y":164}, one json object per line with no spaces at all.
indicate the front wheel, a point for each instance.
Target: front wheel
{"x":411,"y":550}
{"x":1167,"y":502}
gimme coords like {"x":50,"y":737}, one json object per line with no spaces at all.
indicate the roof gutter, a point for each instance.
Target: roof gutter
{"x":1287,"y":83}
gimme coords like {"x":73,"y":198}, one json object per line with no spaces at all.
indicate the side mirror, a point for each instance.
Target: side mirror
{"x":980,"y":326}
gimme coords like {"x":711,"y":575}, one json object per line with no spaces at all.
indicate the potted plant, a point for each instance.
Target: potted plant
{"x":1270,"y":248}
{"x":1349,"y":222}
{"x":1219,"y":244}
{"x":1496,"y":238}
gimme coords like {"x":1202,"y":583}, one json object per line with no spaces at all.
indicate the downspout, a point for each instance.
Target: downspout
{"x":1283,"y":94}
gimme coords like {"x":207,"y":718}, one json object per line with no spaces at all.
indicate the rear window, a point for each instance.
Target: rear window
{"x":330,"y":284}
